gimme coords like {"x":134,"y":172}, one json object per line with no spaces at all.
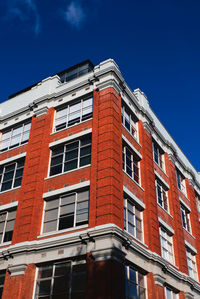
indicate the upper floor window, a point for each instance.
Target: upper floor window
{"x":71,"y":156}
{"x":15,"y":136}
{"x":11,"y":175}
{"x":158,"y":155}
{"x":2,"y":278}
{"x":66,"y":211}
{"x":161,"y":195}
{"x":131,"y":163}
{"x":130,"y":122}
{"x":166,"y":245}
{"x":191,"y":261}
{"x":132,"y":219}
{"x":197,"y":201}
{"x":7,"y":221}
{"x":61,"y":280}
{"x":185,"y":218}
{"x":135,"y":284}
{"x":181,"y":181}
{"x":170,"y":294}
{"x":73,"y":114}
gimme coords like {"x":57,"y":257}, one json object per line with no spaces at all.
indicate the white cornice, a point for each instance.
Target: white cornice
{"x":69,"y":138}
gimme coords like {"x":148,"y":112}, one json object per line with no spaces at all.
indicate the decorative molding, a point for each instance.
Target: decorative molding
{"x":188,"y":295}
{"x":132,"y":147}
{"x":161,"y":179}
{"x":40,"y":111}
{"x":134,"y":198}
{"x":16,"y":270}
{"x":147,"y":127}
{"x":159,"y":279}
{"x":11,"y":159}
{"x":165,"y":225}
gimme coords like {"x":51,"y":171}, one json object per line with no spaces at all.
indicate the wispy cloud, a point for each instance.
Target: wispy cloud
{"x":24,"y":10}
{"x":75,"y":14}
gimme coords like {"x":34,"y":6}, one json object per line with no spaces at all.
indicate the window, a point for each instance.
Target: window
{"x":15,"y":136}
{"x":7,"y":221}
{"x":11,"y":175}
{"x":170,"y":294}
{"x":130,"y":163}
{"x":166,"y":245}
{"x":71,"y":156}
{"x":2,"y":278}
{"x":132,"y":219}
{"x":161,"y":195}
{"x":130,"y":122}
{"x":73,"y":114}
{"x":191,"y":261}
{"x":61,"y":280}
{"x":185,"y":218}
{"x":135,"y":284}
{"x":181,"y":182}
{"x":158,"y":155}
{"x":198,"y":202}
{"x":66,"y":211}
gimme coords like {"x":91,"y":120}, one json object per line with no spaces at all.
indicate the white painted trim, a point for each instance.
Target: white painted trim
{"x":66,"y":189}
{"x":131,"y":146}
{"x":161,"y":179}
{"x":11,"y":159}
{"x":187,"y":244}
{"x":9,"y":206}
{"x":133,"y":180}
{"x":166,"y":226}
{"x":57,"y":232}
{"x":133,"y":197}
{"x":185,"y":205}
{"x":69,"y":138}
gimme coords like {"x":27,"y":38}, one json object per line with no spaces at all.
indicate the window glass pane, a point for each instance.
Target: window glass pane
{"x":83,"y":195}
{"x":68,"y":209}
{"x":51,"y":215}
{"x":44,"y":287}
{"x":45,"y":271}
{"x":6,"y":186}
{"x":56,"y":170}
{"x":52,"y":203}
{"x":73,"y":164}
{"x":85,"y":161}
{"x":50,"y":226}
{"x":68,"y":198}
{"x":66,"y":221}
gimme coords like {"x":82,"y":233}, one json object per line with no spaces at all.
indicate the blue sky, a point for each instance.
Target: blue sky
{"x":155,"y":43}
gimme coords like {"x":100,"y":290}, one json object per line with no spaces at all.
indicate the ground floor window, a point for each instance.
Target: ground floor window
{"x":61,"y":280}
{"x":135,"y":284}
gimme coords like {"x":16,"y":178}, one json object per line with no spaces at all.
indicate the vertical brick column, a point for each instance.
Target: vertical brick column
{"x":105,"y":279}
{"x":13,"y":286}
{"x":29,"y":212}
{"x":151,"y":225}
{"x":174,"y":203}
{"x":194,"y":220}
{"x":107,"y":150}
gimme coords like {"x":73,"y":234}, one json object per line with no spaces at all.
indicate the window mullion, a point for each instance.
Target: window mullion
{"x":79,"y":152}
{"x":75,"y":209}
{"x":63,"y":161}
{"x":58,"y":218}
{"x":13,"y":179}
{"x":4,"y":229}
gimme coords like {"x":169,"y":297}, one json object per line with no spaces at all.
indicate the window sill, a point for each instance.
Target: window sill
{"x":165,"y":210}
{"x":189,"y":233}
{"x":161,"y":169}
{"x":56,"y":175}
{"x":76,"y":124}
{"x":185,"y":195}
{"x":2,"y":192}
{"x":10,"y":149}
{"x":5,"y":244}
{"x":134,"y":238}
{"x":136,"y":139}
{"x":134,"y":180}
{"x":62,"y":231}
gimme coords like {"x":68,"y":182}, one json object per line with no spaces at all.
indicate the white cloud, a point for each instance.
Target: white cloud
{"x":75,"y":14}
{"x":24,"y":10}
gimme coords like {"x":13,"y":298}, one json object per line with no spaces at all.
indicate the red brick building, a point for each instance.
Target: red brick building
{"x":97,"y":200}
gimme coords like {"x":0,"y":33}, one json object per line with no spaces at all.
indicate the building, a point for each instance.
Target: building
{"x":97,"y":200}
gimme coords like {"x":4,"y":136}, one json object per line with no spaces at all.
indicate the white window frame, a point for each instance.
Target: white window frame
{"x":66,"y":107}
{"x":191,"y":262}
{"x":128,"y":268}
{"x":173,"y":295}
{"x":5,"y":209}
{"x":158,"y":156}
{"x":64,"y":153}
{"x":197,"y":197}
{"x":135,"y":163}
{"x":181,"y":182}
{"x":186,"y":221}
{"x":51,"y":278}
{"x":167,"y":238}
{"x":134,"y":218}
{"x":164,"y":195}
{"x":13,"y":136}
{"x":14,"y":178}
{"x":131,"y":120}
{"x":59,"y":198}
